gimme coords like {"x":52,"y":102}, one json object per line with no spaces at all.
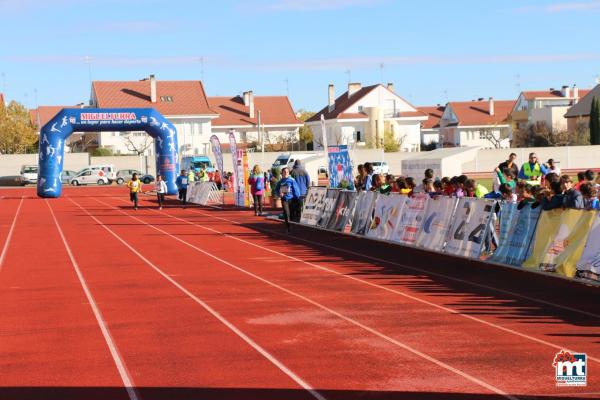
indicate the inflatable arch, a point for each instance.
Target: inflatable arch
{"x":69,"y":120}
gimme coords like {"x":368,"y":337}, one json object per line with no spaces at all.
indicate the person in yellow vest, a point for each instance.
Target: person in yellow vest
{"x":135,"y":186}
{"x":532,"y":171}
{"x":203,"y":175}
{"x":191,"y":175}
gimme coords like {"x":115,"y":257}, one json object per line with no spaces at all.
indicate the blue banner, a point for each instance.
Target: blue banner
{"x":216,"y":148}
{"x":515,"y":249}
{"x":340,"y":168}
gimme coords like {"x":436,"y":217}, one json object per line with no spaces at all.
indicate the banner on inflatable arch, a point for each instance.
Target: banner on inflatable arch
{"x":517,"y":245}
{"x":342,"y":211}
{"x":437,"y":220}
{"x":588,"y":265}
{"x":559,"y":241}
{"x":411,"y":220}
{"x":215,"y":143}
{"x":340,"y":167}
{"x":469,"y":227}
{"x":328,"y":207}
{"x":313,"y":205}
{"x":363,"y":212}
{"x":386,"y":215}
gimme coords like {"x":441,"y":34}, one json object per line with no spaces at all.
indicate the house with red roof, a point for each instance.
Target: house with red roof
{"x":481,"y":123}
{"x":545,"y":106}
{"x":430,"y":128}
{"x":362,"y":116}
{"x":184,"y":103}
{"x":243,"y":115}
{"x":578,"y":116}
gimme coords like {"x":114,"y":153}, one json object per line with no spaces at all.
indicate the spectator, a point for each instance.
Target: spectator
{"x":589,"y":176}
{"x":428,"y":175}
{"x":526,"y":195}
{"x":447,"y":186}
{"x":218,"y":180}
{"x":375,"y":183}
{"x":257,"y":189}
{"x":580,"y":179}
{"x":383,"y":186}
{"x":359,"y":183}
{"x":572,"y":197}
{"x":549,"y":178}
{"x":473,"y":189}
{"x":555,"y":198}
{"x":510,"y":164}
{"x":457,"y":190}
{"x":507,"y":176}
{"x":590,"y":199}
{"x":410,"y":185}
{"x":288,"y":190}
{"x":507,"y":193}
{"x":302,"y":178}
{"x":190,"y":175}
{"x":532,"y":171}
{"x":552,"y":168}
{"x":438,"y":188}
{"x":369,"y":175}
{"x":402,"y":186}
{"x":202,"y":174}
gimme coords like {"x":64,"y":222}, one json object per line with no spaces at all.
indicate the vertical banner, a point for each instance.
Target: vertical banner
{"x":342,"y":211}
{"x":437,"y":220}
{"x":363,"y":211}
{"x":515,"y":247}
{"x":508,"y":216}
{"x":559,"y":241}
{"x":245,"y":173}
{"x":313,"y":205}
{"x":233,"y":149}
{"x":328,"y":207}
{"x":216,"y":148}
{"x":467,"y":233}
{"x":411,"y":220}
{"x":340,"y":167}
{"x":388,"y":209}
{"x":588,"y":265}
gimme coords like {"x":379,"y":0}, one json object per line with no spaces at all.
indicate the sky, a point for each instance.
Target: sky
{"x":433,"y":51}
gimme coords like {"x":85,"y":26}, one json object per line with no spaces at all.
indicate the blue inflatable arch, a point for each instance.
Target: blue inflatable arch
{"x":54,"y":133}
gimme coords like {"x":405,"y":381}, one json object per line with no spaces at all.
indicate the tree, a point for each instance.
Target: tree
{"x":490,"y":136}
{"x":595,"y":121}
{"x":101,"y":152}
{"x":305,"y":133}
{"x":17,"y":133}
{"x":390,"y":143}
{"x":138,"y":147}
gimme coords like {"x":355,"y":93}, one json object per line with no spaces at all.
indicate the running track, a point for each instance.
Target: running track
{"x":100,"y":301}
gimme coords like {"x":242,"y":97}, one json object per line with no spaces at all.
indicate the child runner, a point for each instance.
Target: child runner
{"x":287,"y":188}
{"x":161,"y":190}
{"x":257,"y":188}
{"x":182,"y":184}
{"x":134,"y":185}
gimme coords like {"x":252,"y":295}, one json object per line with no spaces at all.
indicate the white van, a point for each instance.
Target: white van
{"x":108,"y":170}
{"x":288,"y":159}
{"x":100,"y":174}
{"x":30,"y":173}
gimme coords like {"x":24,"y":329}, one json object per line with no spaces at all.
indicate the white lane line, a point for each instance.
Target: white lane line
{"x":375,"y":285}
{"x":114,"y":351}
{"x":208,"y":308}
{"x":329,"y":310}
{"x":416,"y":269}
{"x":10,"y":233}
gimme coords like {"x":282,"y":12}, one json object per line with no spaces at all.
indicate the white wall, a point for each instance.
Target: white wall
{"x":10,"y":164}
{"x":553,"y":117}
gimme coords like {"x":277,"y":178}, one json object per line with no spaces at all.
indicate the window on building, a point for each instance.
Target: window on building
{"x":359,"y":137}
{"x":360,"y":108}
{"x":166,"y":99}
{"x":482,"y":135}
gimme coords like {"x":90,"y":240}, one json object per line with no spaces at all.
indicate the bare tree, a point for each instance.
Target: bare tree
{"x":86,"y":142}
{"x":491,"y":137}
{"x":138,"y":148}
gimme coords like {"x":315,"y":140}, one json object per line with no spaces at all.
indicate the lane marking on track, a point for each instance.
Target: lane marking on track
{"x":114,"y":351}
{"x":423,"y":271}
{"x":10,"y":233}
{"x":375,"y":285}
{"x":208,"y":308}
{"x":373,"y":331}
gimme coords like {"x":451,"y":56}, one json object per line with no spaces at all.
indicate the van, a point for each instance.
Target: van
{"x":197,"y":162}
{"x":30,"y":173}
{"x":89,"y":175}
{"x":288,"y":159}
{"x":108,"y":171}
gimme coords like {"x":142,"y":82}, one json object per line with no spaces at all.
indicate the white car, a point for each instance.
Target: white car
{"x":92,"y":176}
{"x":30,"y":173}
{"x":380,"y":167}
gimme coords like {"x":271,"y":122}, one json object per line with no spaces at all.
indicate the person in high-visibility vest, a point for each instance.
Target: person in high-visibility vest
{"x":532,"y":171}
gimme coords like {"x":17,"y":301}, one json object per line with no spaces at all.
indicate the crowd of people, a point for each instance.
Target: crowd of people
{"x":533,"y":182}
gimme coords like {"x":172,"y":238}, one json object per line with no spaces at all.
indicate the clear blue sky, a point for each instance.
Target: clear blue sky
{"x":431,"y":50}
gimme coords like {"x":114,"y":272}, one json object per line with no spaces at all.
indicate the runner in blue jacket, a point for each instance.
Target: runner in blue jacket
{"x":287,"y":188}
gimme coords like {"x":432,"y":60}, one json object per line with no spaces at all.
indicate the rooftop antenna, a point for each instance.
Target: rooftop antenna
{"x":349,"y":75}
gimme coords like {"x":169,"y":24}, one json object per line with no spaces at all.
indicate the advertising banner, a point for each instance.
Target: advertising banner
{"x":508,"y":215}
{"x":436,"y":223}
{"x":559,"y":241}
{"x":363,"y":212}
{"x":215,"y":143}
{"x":589,"y":263}
{"x":340,"y":167}
{"x":469,"y":227}
{"x":342,"y":211}
{"x":411,"y":220}
{"x":313,"y":205}
{"x":234,"y":159}
{"x":516,"y":246}
{"x":388,"y":209}
{"x":328,"y":207}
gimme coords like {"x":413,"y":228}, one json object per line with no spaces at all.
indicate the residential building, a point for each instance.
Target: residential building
{"x":481,"y":123}
{"x":430,"y":128}
{"x":77,"y":142}
{"x":240,"y":114}
{"x":184,"y":103}
{"x":578,"y":116}
{"x":546,"y":107}
{"x":362,"y":115}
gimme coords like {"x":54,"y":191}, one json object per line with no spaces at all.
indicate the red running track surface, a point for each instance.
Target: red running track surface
{"x":101,"y":301}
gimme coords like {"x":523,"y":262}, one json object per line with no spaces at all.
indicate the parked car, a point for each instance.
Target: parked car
{"x":288,"y":159}
{"x":107,"y":170}
{"x":67,"y":175}
{"x":13,"y":180}
{"x":88,"y":176}
{"x":123,"y":175}
{"x":30,"y":173}
{"x":380,"y":167}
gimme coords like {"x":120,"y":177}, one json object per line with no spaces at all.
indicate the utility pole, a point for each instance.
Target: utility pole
{"x":261,"y":140}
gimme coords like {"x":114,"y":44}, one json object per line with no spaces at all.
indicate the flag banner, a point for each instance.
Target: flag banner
{"x":216,"y":148}
{"x":516,"y":245}
{"x":328,"y":207}
{"x":559,"y":241}
{"x":411,"y":220}
{"x":234,"y":159}
{"x":241,"y":168}
{"x":342,"y":211}
{"x":436,"y":223}
{"x":469,"y":227}
{"x":340,"y":167}
{"x":508,"y":215}
{"x":313,"y":205}
{"x":588,"y":265}
{"x":388,"y":209}
{"x":363,"y":212}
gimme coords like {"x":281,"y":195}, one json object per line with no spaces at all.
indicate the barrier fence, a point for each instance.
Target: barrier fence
{"x":204,"y":193}
{"x":561,"y":242}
